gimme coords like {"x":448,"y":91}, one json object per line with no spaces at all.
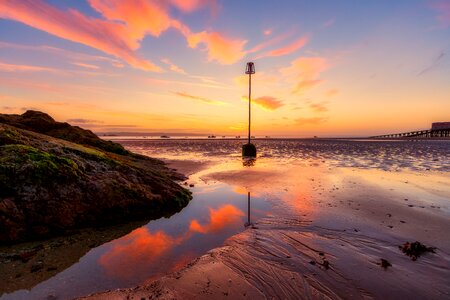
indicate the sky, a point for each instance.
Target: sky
{"x":325,"y":68}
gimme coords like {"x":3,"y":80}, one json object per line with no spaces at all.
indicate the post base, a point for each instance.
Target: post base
{"x":249,"y":150}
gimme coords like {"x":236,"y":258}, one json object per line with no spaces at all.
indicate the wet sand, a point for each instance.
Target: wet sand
{"x":325,"y":239}
{"x":27,"y":264}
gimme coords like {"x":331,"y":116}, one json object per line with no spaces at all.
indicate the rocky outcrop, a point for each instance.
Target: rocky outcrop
{"x":55,"y":177}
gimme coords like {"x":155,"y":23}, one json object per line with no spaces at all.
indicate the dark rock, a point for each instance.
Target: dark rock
{"x":50,"y":185}
{"x":26,"y":256}
{"x":415,"y":250}
{"x":385,"y":264}
{"x":37,"y":266}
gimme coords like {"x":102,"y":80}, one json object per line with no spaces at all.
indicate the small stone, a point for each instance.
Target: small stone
{"x":37,"y":266}
{"x":385,"y":264}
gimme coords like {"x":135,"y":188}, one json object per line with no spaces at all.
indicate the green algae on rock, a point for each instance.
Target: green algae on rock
{"x":57,"y":178}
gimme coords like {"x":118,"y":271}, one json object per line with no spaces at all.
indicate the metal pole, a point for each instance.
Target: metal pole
{"x":249,"y":103}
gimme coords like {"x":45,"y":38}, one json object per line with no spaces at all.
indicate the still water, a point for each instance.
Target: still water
{"x":219,"y":210}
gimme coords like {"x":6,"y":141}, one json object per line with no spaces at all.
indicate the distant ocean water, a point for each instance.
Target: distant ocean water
{"x":392,"y":155}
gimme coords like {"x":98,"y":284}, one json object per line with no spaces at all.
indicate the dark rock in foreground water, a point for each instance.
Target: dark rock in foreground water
{"x":66,"y":177}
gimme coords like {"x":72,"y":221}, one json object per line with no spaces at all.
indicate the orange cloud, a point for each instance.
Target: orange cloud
{"x":76,"y":27}
{"x":141,"y":16}
{"x":219,"y":219}
{"x":219,"y":47}
{"x":265,"y":102}
{"x":287,"y":49}
{"x":304,"y":72}
{"x":310,"y":121}
{"x":200,"y":99}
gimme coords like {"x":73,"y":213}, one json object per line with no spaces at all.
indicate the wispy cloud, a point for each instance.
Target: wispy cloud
{"x":331,"y":92}
{"x":87,"y":66}
{"x":267,"y":31}
{"x":123,"y":26}
{"x":304,"y":72}
{"x":434,"y":64}
{"x":24,"y":68}
{"x":220,"y":48}
{"x":310,"y":121}
{"x":288,"y":49}
{"x":71,"y":55}
{"x":172,"y":66}
{"x":199,"y":99}
{"x":329,"y":23}
{"x":442,"y":7}
{"x":265,"y":102}
{"x":318,"y":107}
{"x":74,"y":26}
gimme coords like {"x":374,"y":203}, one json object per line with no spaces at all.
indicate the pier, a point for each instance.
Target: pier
{"x":438,"y":130}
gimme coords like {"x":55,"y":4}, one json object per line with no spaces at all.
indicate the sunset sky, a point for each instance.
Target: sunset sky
{"x":326,"y":68}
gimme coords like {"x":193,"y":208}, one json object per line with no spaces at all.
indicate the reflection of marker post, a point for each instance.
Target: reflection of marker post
{"x":248,"y":210}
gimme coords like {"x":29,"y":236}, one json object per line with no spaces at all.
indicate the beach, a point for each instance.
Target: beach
{"x":326,"y":222}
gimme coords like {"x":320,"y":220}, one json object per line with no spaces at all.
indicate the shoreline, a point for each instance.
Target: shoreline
{"x":324,"y":255}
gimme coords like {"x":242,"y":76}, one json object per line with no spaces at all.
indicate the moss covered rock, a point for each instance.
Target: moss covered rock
{"x":50,"y":185}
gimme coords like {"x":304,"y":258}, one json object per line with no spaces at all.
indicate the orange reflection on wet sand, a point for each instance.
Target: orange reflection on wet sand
{"x":136,"y":252}
{"x":219,"y":219}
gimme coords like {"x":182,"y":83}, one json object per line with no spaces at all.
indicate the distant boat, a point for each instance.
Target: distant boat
{"x":165,"y":137}
{"x":211,"y":136}
{"x":267,"y":137}
{"x":223,"y":136}
{"x":315,"y":136}
{"x":253,"y":136}
{"x":238,"y":136}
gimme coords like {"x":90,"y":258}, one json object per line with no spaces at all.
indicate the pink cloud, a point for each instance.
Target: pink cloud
{"x":74,"y":26}
{"x":267,"y":32}
{"x":443,"y":10}
{"x":87,"y":66}
{"x":123,"y":27}
{"x":24,"y":68}
{"x":188,"y":6}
